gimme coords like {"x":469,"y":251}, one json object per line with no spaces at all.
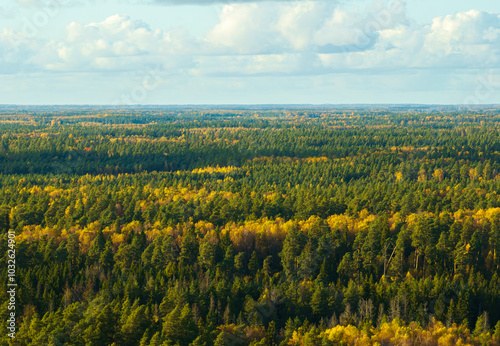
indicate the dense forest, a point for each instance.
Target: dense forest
{"x":259,"y":225}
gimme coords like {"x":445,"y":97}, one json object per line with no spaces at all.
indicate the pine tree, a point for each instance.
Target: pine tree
{"x":271,"y":331}
{"x":253,"y":264}
{"x":292,"y":248}
{"x":318,"y":301}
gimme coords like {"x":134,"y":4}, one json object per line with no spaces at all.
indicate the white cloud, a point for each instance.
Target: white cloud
{"x":117,"y":43}
{"x":466,"y":39}
{"x":299,"y":22}
{"x":268,"y":38}
{"x":303,"y":27}
{"x":247,"y":29}
{"x":16,"y":52}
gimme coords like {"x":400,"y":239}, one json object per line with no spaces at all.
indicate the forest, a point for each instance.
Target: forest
{"x":251,"y":225}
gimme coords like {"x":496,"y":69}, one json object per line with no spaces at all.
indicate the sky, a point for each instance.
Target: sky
{"x":128,"y":52}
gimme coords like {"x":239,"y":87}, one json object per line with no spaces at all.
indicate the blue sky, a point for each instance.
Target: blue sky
{"x":249,"y":52}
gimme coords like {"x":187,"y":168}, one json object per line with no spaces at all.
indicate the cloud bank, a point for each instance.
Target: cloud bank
{"x":266,"y":39}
